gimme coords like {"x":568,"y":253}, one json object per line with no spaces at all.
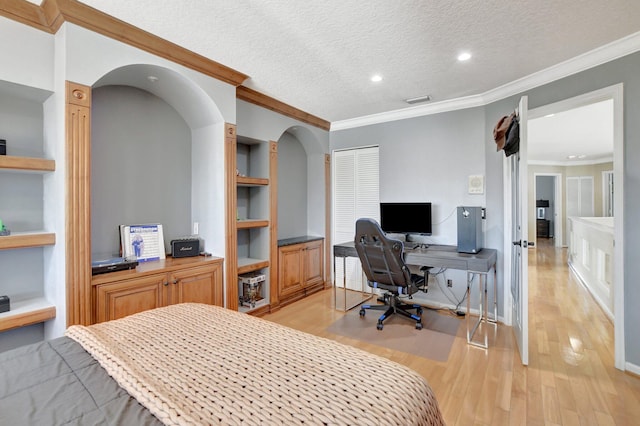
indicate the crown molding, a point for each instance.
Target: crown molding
{"x":410,"y":112}
{"x":50,"y":16}
{"x":570,"y":163}
{"x":25,"y":13}
{"x":593,"y":58}
{"x":249,"y":95}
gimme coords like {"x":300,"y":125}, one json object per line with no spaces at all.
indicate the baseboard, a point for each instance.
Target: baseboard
{"x":632,"y":369}
{"x":595,"y":297}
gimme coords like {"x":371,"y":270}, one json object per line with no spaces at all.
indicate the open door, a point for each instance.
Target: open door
{"x":517,"y":165}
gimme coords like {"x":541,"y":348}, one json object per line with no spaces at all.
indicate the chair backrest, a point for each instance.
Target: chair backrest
{"x":382,"y":258}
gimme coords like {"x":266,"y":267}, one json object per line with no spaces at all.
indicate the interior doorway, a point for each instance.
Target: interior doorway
{"x":547,"y":188}
{"x":615,"y":95}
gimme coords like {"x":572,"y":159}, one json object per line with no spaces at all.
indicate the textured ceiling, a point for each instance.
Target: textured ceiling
{"x":319,"y":56}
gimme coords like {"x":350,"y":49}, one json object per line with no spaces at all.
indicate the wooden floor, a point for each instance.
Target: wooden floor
{"x":570,"y":379}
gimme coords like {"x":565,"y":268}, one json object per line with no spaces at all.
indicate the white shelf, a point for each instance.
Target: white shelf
{"x":259,"y":304}
{"x":27,"y":312}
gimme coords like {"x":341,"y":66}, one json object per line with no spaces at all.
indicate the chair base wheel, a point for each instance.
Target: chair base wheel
{"x":380,"y":326}
{"x":418,"y":326}
{"x":362,"y":312}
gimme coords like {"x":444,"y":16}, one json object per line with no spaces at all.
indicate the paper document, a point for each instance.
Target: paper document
{"x":142,"y":242}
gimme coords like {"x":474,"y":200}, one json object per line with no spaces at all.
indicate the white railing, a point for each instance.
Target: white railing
{"x":591,"y":256}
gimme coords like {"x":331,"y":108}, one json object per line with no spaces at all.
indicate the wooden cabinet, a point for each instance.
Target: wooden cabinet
{"x":157,"y":284}
{"x":300,"y":270}
{"x":542,"y":228}
{"x":121,"y":298}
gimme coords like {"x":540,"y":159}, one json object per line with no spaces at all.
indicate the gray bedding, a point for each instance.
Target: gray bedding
{"x":59,"y":383}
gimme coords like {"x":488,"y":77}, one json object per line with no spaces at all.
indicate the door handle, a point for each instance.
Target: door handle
{"x":517,"y":243}
{"x":524,"y":243}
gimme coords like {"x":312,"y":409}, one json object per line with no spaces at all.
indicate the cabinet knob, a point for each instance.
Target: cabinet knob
{"x":175,"y":281}
{"x":166,"y":283}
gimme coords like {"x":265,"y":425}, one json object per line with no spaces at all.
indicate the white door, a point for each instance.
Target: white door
{"x":355,"y":195}
{"x":519,"y":230}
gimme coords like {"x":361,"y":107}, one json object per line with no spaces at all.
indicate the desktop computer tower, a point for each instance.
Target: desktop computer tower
{"x":470,"y":235}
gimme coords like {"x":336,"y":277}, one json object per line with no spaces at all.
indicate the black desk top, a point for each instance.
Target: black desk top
{"x":437,"y":256}
{"x":297,"y":240}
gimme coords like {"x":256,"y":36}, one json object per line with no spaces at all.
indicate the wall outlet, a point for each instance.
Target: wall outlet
{"x":196,"y":227}
{"x":449,"y":283}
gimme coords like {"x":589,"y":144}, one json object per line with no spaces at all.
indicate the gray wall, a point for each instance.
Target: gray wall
{"x":292,"y":187}
{"x":441,"y":144}
{"x":429,"y":158}
{"x":140,"y":166}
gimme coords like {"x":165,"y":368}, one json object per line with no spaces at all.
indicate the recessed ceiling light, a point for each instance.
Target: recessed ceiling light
{"x":464,"y":56}
{"x":152,"y":78}
{"x":376,"y":78}
{"x":549,"y":115}
{"x":571,"y":157}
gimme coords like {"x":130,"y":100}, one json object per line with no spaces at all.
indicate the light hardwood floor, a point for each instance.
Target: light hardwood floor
{"x":570,"y":379}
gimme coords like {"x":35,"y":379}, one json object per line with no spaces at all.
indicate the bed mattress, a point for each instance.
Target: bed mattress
{"x":202,"y":364}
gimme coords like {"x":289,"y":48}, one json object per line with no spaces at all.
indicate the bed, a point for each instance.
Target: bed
{"x":202,"y":364}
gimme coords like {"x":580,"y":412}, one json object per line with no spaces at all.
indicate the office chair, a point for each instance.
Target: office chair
{"x":383,"y":264}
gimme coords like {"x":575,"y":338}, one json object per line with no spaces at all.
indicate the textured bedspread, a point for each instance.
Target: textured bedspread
{"x":202,"y":364}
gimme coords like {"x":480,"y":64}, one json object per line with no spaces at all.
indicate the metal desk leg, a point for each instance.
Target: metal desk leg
{"x":494,"y":320}
{"x":482,"y":315}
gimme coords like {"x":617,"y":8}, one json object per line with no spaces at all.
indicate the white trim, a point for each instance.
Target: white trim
{"x":632,"y":368}
{"x":593,"y":58}
{"x":605,"y":190}
{"x":508,"y":243}
{"x":571,"y":163}
{"x":594,"y":295}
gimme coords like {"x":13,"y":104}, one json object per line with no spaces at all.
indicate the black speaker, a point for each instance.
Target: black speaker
{"x":185,"y":247}
{"x":470,"y":235}
{"x":3,"y":147}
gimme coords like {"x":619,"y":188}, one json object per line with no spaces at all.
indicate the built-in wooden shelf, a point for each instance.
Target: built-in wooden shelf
{"x":11,"y":162}
{"x":252,"y":223}
{"x":251,"y":181}
{"x":27,"y":239}
{"x":259,"y":306}
{"x":27,"y":312}
{"x":248,"y":264}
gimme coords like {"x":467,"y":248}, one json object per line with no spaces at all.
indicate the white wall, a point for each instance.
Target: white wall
{"x":27,"y":55}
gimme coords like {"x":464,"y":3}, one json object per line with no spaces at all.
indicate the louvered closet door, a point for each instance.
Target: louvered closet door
{"x":355,"y":195}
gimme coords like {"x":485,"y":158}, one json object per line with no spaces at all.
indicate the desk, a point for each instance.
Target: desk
{"x":443,"y":256}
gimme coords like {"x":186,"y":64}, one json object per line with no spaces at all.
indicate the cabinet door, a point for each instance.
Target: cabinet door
{"x":290,"y":269}
{"x":313,"y":266}
{"x":197,"y":285}
{"x":122,"y":298}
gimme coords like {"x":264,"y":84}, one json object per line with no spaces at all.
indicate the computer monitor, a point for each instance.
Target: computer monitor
{"x":406,"y":218}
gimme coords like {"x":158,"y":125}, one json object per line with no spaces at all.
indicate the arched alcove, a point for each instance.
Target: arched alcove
{"x":157,"y":157}
{"x":301,"y":184}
